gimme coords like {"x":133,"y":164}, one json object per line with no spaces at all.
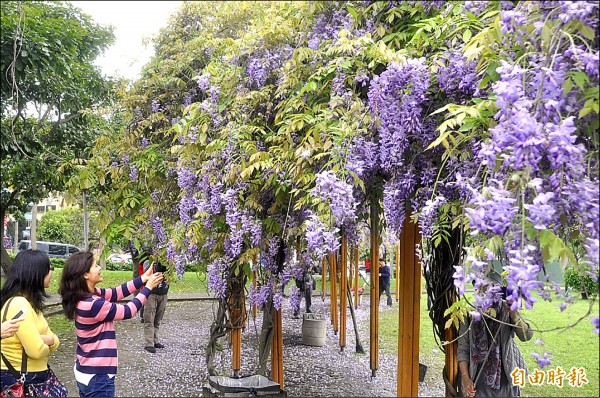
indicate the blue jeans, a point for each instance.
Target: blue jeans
{"x":99,"y":386}
{"x":31,"y":378}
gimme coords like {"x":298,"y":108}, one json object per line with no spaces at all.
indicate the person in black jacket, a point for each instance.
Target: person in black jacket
{"x":155,"y":310}
{"x":384,"y":280}
{"x":305,"y":286}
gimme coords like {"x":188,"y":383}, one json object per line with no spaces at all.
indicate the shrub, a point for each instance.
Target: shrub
{"x":58,"y":262}
{"x":584,"y":283}
{"x":115,"y":266}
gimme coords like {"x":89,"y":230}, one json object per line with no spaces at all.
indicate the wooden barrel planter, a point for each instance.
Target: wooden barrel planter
{"x":314,"y":330}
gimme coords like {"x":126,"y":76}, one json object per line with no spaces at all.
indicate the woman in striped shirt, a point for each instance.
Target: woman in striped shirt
{"x":94,"y":311}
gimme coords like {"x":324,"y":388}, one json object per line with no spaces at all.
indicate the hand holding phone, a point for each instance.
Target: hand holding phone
{"x":11,"y":327}
{"x":18,"y":314}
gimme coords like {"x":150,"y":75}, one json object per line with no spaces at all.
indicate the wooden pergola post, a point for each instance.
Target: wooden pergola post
{"x":236,"y":337}
{"x":374,"y":288}
{"x":409,"y":317}
{"x":277,"y":349}
{"x":237,"y":313}
{"x":398,"y":271}
{"x":343,"y":291}
{"x":254,"y":283}
{"x":333,"y":289}
{"x":323,"y":278}
{"x":451,"y":351}
{"x":356,"y":277}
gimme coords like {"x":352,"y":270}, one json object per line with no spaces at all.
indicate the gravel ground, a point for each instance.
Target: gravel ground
{"x":180,"y":369}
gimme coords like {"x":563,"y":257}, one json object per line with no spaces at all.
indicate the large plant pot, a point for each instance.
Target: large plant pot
{"x":314,"y":330}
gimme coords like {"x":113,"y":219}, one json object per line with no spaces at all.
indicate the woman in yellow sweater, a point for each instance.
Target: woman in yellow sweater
{"x":25,"y":290}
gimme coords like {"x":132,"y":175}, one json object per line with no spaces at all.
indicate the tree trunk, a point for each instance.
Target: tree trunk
{"x":135,"y":259}
{"x":266,"y":337}
{"x":217,"y":330}
{"x":5,"y":261}
{"x":359,"y":347}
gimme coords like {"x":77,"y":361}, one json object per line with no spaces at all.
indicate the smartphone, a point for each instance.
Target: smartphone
{"x":18,"y":314}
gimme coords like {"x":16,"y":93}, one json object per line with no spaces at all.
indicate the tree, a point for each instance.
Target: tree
{"x":245,"y":142}
{"x":49,"y":84}
{"x":66,"y":226}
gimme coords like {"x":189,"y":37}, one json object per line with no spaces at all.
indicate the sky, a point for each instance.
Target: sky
{"x":133,"y":21}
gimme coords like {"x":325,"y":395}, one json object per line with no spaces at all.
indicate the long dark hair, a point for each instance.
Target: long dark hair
{"x":73,"y":286}
{"x":26,"y":278}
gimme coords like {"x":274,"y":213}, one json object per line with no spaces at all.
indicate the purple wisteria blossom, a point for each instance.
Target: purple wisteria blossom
{"x":133,"y":172}
{"x":542,"y":361}
{"x":321,"y":240}
{"x":396,"y":97}
{"x":492,"y":213}
{"x":339,"y":194}
{"x":429,"y":216}
{"x":458,"y":78}
{"x":159,"y":230}
{"x":155,"y":106}
{"x":475,"y":7}
{"x":395,"y":193}
{"x":204,"y":82}
{"x":257,"y":72}
{"x":217,"y":276}
{"x":540,"y":213}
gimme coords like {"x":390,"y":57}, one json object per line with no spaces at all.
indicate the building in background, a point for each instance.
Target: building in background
{"x":54,"y":202}
{"x":15,"y":231}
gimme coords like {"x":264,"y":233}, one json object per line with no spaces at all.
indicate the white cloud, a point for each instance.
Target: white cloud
{"x":132,"y":21}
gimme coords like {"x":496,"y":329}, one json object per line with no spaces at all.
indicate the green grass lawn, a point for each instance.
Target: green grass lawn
{"x":191,"y":282}
{"x":573,"y":347}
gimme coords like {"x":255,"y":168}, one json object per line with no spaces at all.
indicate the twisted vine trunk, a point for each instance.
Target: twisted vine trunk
{"x":359,"y":347}
{"x":266,"y":337}
{"x":442,"y":293}
{"x":267,"y":331}
{"x":217,"y":330}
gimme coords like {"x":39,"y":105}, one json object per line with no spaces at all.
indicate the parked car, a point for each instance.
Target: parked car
{"x":120,"y":258}
{"x":52,"y":249}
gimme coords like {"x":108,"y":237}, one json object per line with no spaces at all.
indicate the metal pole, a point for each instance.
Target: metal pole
{"x":85,"y":224}
{"x":33,"y":229}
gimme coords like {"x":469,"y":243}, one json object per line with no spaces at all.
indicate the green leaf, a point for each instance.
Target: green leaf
{"x":467,"y":34}
{"x":546,"y":237}
{"x":567,"y":86}
{"x":580,"y":78}
{"x":587,"y":32}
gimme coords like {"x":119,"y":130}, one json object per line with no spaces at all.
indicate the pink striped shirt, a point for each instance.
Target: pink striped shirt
{"x":95,"y":328}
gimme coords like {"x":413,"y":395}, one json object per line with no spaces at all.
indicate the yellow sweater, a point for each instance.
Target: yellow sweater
{"x":28,"y":337}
